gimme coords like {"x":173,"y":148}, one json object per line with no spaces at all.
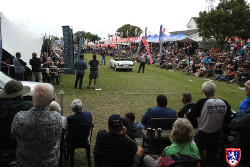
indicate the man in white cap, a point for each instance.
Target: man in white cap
{"x":11,"y":102}
{"x":79,"y":118}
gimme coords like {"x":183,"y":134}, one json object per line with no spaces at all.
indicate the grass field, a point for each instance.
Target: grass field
{"x":124,"y":91}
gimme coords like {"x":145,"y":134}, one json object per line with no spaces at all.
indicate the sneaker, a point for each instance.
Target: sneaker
{"x":93,"y":87}
{"x":88,"y":87}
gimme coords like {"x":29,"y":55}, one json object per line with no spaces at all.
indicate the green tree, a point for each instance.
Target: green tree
{"x":86,"y":35}
{"x":76,"y":36}
{"x":229,"y":19}
{"x":131,"y":30}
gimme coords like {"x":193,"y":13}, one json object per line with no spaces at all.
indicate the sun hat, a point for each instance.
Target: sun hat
{"x":115,"y":121}
{"x":14,"y":89}
{"x":77,"y":103}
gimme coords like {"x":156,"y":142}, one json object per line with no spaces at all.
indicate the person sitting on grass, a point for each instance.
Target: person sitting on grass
{"x":183,"y":147}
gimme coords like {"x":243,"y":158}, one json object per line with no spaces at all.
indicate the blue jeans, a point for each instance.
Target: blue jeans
{"x":103,"y":59}
{"x":79,"y":77}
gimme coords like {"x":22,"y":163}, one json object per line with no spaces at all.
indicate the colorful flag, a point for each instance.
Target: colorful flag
{"x":122,"y":35}
{"x":163,"y":31}
{"x":144,"y":41}
{"x":135,"y":32}
{"x":127,"y":33}
{"x":146,"y":36}
{"x":160,"y":33}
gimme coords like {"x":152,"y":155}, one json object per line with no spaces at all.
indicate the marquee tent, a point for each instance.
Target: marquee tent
{"x":17,"y":38}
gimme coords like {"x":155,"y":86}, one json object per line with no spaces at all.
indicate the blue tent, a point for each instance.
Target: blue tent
{"x":181,"y":36}
{"x":153,"y":38}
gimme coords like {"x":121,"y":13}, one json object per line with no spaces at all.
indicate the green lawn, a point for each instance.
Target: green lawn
{"x":124,"y":91}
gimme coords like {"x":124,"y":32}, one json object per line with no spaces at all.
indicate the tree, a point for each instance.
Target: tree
{"x":130,"y":29}
{"x":86,"y":35}
{"x":77,"y":35}
{"x":228,"y":20}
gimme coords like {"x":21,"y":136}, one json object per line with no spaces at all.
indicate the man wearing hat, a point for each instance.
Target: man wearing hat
{"x":116,"y":142}
{"x":80,"y":65}
{"x":79,"y":118}
{"x":11,"y":102}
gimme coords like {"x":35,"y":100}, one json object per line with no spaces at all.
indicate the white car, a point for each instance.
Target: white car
{"x":120,"y":63}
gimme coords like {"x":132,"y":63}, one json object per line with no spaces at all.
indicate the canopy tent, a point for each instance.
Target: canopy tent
{"x":91,"y":44}
{"x":17,"y":38}
{"x":153,"y":38}
{"x":187,"y":40}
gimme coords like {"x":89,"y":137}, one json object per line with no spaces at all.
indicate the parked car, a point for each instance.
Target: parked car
{"x":121,"y":64}
{"x":5,"y":78}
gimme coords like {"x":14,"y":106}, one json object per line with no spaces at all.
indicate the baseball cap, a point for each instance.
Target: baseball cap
{"x":115,"y":121}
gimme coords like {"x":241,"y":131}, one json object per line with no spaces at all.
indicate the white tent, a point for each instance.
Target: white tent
{"x":16,"y":38}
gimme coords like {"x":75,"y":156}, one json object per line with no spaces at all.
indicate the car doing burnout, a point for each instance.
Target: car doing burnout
{"x":121,"y":64}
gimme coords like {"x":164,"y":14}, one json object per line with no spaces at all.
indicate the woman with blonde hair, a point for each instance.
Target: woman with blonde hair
{"x":183,"y":148}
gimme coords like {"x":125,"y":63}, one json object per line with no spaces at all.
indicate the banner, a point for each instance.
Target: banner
{"x":79,"y":49}
{"x":160,"y":40}
{"x":144,"y":41}
{"x":160,"y":33}
{"x":68,"y":49}
{"x":138,"y":49}
{"x":0,"y":44}
{"x":146,"y":36}
{"x":135,"y":32}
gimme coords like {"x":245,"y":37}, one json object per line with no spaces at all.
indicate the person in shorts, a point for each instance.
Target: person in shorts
{"x":93,"y":71}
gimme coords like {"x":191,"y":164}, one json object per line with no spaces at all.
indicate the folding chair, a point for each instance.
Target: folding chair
{"x":164,"y":123}
{"x":79,"y":136}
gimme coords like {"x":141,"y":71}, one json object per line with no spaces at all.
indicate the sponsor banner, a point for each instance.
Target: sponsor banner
{"x":68,"y":49}
{"x":79,"y":49}
{"x":146,"y":36}
{"x":233,"y":156}
{"x":144,"y":41}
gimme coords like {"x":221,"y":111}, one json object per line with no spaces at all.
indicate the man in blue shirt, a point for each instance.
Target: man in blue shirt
{"x":80,"y":65}
{"x":158,"y":112}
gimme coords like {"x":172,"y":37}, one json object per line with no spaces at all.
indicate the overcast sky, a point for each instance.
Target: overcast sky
{"x":101,"y":17}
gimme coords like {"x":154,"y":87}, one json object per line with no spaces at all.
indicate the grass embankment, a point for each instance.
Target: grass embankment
{"x":124,"y":91}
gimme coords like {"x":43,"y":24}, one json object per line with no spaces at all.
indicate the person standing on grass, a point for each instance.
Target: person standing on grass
{"x":93,"y":71}
{"x":142,"y":64}
{"x":80,"y":65}
{"x":103,"y":54}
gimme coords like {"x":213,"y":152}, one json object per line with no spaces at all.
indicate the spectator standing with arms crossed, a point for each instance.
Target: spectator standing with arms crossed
{"x":80,"y":65}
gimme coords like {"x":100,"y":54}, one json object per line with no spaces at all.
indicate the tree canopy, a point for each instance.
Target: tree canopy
{"x":86,"y":35}
{"x":131,"y":31}
{"x":230,"y":19}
